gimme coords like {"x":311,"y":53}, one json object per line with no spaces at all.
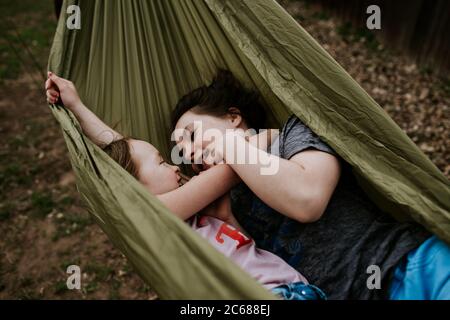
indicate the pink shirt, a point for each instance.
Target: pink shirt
{"x":267,"y":268}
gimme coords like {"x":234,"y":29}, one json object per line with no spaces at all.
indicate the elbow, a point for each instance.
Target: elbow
{"x":306,"y":209}
{"x":306,"y":215}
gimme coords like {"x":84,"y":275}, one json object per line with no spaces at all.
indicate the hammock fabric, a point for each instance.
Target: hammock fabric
{"x":132,"y":60}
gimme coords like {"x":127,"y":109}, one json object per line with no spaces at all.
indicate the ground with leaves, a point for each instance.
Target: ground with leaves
{"x":44,"y":226}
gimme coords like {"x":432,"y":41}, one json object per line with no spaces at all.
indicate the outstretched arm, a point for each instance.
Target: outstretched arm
{"x":59,"y":88}
{"x":200,"y":191}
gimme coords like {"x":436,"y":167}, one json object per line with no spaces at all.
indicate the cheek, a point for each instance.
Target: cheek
{"x":168,"y":180}
{"x":145,"y":176}
{"x":187,"y":148}
{"x":210,"y":133}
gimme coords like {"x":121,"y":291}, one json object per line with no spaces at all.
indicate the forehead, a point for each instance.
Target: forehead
{"x":186,"y":120}
{"x":143,"y":147}
{"x":184,"y":126}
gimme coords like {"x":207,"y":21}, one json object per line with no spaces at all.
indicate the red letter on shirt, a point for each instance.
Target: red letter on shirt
{"x":233,"y":234}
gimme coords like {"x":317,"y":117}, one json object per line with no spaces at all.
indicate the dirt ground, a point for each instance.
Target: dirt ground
{"x":44,"y":226}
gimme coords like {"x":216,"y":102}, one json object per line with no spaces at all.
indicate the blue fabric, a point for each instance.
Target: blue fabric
{"x":299,"y":291}
{"x":424,"y":274}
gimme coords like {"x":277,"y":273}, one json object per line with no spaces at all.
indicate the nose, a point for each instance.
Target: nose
{"x":175,"y":168}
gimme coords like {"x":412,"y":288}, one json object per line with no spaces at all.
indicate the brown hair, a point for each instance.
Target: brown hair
{"x":119,"y":151}
{"x":224,"y":92}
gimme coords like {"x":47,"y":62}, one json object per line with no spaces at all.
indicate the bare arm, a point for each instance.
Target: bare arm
{"x":210,"y":186}
{"x":299,"y":188}
{"x":200,"y":191}
{"x":100,"y":133}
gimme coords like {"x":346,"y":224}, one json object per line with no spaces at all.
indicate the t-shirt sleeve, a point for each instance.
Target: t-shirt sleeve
{"x":297,"y":137}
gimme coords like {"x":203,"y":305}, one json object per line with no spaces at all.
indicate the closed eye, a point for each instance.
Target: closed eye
{"x":161,"y":160}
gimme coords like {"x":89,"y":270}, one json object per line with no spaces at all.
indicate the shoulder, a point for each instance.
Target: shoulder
{"x":295,"y":125}
{"x":293,"y":121}
{"x":296,"y":137}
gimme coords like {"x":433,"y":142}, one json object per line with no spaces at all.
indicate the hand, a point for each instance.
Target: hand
{"x":226,"y":145}
{"x":197,"y":168}
{"x":59,"y":88}
{"x":213,"y":153}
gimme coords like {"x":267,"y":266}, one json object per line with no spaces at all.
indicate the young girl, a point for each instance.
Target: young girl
{"x":216,"y":222}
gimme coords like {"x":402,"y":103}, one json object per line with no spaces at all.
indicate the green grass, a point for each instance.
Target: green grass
{"x":18,"y":141}
{"x":28,"y":294}
{"x":67,"y":201}
{"x":144,"y":289}
{"x":70,"y":223}
{"x":13,"y":174}
{"x":114,"y":291}
{"x":42,"y":204}
{"x":25,"y":23}
{"x":100,"y":272}
{"x":66,"y":263}
{"x":91,"y":287}
{"x":60,"y":287}
{"x":10,"y":8}
{"x":345,"y":30}
{"x":10,"y":65}
{"x":9,"y":173}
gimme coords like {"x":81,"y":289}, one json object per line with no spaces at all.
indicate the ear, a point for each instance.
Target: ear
{"x":234,"y":115}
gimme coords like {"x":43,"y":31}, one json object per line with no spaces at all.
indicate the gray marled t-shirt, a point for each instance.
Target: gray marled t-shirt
{"x":334,"y":252}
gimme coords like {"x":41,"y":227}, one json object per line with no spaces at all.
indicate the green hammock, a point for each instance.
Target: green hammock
{"x":132,"y":60}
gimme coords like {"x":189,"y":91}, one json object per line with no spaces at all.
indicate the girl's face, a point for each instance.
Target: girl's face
{"x":198,"y":129}
{"x":153,"y":172}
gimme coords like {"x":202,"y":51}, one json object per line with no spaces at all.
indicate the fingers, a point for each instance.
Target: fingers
{"x":51,"y":90}
{"x":60,"y":82}
{"x":53,"y":93}
{"x":52,"y":100}
{"x":52,"y":97}
{"x":48,"y":84}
